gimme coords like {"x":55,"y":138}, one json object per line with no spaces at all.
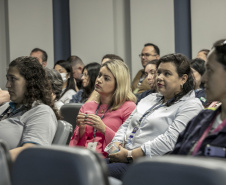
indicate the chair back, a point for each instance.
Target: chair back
{"x":5,"y":164}
{"x":63,"y":133}
{"x":70,"y":111}
{"x":57,"y":165}
{"x":176,"y":170}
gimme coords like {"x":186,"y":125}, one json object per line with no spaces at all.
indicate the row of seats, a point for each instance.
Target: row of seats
{"x":61,"y":165}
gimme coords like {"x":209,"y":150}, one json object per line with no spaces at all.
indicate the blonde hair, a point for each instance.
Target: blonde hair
{"x":123,"y":91}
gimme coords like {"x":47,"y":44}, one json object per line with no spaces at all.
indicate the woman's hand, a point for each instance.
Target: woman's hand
{"x":120,"y":156}
{"x":80,"y":121}
{"x":95,"y":122}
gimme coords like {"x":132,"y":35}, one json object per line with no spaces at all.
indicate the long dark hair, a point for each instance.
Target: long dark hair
{"x":93,"y":71}
{"x":70,"y":82}
{"x":183,"y":67}
{"x":38,"y":87}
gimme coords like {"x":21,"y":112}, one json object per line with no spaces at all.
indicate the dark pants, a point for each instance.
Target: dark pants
{"x":117,"y":170}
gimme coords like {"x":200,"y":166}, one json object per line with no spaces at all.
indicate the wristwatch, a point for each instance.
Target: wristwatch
{"x":129,"y":156}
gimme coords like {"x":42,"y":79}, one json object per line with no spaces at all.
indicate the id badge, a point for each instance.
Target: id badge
{"x":92,"y":146}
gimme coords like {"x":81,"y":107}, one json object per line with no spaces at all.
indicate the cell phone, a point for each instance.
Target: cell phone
{"x":215,"y":151}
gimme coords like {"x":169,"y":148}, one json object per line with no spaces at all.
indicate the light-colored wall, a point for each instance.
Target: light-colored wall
{"x":151,"y":21}
{"x":106,"y":26}
{"x":30,"y":26}
{"x":92,"y":29}
{"x":208,"y":19}
{"x":110,"y":26}
{"x":3,"y":44}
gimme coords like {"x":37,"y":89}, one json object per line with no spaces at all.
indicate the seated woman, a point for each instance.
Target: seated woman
{"x":205,"y":134}
{"x":89,"y":75}
{"x":150,"y":73}
{"x":97,"y":122}
{"x":198,"y":69}
{"x":30,"y":117}
{"x":68,"y":90}
{"x":56,"y":82}
{"x":153,"y":127}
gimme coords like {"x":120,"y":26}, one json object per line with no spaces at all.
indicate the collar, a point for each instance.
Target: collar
{"x":189,"y":95}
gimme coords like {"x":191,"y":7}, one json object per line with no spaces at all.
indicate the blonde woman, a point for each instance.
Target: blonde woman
{"x":97,"y":122}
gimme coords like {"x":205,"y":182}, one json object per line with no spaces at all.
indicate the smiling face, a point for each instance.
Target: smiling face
{"x":85,"y":78}
{"x":16,"y":85}
{"x":168,"y":81}
{"x":105,"y":82}
{"x":150,"y":73}
{"x":213,"y":78}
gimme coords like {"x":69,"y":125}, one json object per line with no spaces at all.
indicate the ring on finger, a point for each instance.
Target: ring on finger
{"x":86,"y":116}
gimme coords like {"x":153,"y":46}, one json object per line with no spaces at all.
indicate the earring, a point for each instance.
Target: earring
{"x":181,"y":86}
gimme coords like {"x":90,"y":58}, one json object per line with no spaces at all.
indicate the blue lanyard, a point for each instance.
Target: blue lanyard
{"x":10,"y":111}
{"x":95,"y":130}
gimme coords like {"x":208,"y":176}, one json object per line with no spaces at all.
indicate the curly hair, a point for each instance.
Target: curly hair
{"x":38,"y":87}
{"x":183,"y":67}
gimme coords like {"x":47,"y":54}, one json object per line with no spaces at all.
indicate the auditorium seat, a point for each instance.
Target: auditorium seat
{"x":176,"y":170}
{"x":59,"y":165}
{"x":70,"y":111}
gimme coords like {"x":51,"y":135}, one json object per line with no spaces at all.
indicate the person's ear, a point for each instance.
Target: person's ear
{"x":184,"y":79}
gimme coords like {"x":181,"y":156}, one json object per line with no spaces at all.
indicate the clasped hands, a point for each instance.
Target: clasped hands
{"x":91,"y":120}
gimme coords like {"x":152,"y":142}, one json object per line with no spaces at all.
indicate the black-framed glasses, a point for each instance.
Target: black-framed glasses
{"x":146,"y":55}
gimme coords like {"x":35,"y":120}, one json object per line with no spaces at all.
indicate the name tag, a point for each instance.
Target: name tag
{"x":92,"y":146}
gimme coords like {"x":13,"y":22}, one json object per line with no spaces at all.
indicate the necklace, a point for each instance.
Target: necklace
{"x":102,"y":111}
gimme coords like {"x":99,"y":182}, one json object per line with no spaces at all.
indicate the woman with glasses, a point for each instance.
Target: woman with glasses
{"x":205,"y":134}
{"x":153,"y":127}
{"x":97,"y":122}
{"x":89,"y":75}
{"x":65,"y":70}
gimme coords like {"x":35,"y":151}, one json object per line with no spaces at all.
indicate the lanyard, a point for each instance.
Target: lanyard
{"x":204,"y":135}
{"x":95,"y":130}
{"x":148,"y":112}
{"x":9,"y":112}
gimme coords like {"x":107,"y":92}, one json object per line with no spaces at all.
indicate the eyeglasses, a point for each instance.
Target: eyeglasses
{"x":145,"y":55}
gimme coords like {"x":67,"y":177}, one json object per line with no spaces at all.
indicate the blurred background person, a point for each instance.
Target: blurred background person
{"x":89,"y":75}
{"x":65,"y":70}
{"x":148,"y":53}
{"x":77,"y":67}
{"x":198,"y":69}
{"x":41,"y":55}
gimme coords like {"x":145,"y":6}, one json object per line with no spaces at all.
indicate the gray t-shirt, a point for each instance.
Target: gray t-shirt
{"x":37,"y":125}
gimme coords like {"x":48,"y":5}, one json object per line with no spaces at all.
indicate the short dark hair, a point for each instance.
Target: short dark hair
{"x":152,"y":62}
{"x":156,"y":48}
{"x":183,"y":67}
{"x":75,"y":60}
{"x":112,"y":57}
{"x":44,"y":54}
